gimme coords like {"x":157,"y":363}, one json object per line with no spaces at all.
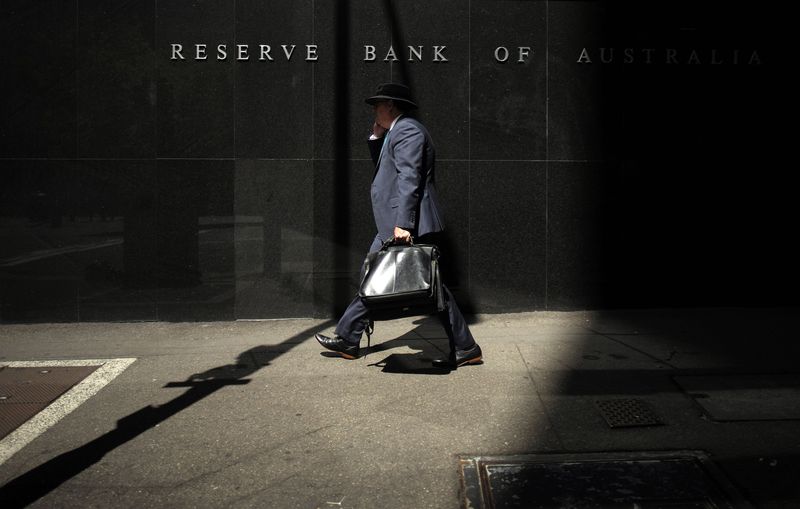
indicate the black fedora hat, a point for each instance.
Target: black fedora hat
{"x":394,"y":91}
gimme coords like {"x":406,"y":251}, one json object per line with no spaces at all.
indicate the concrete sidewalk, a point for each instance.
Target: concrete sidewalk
{"x":255,"y":414}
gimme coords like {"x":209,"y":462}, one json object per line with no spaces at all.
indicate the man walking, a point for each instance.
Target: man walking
{"x":406,"y":207}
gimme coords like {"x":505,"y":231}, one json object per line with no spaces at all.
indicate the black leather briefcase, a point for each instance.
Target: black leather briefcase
{"x":402,"y":279}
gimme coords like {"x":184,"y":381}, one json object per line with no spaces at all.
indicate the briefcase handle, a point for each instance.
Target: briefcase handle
{"x":390,"y":242}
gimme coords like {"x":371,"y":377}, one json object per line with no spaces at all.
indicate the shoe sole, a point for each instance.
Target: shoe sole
{"x":445,"y":365}
{"x":476,"y":360}
{"x":342,"y":354}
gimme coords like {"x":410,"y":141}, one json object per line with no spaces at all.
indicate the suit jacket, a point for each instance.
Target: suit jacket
{"x":403,"y":189}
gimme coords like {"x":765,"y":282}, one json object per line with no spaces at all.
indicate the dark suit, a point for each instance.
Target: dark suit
{"x":404,"y":194}
{"x":403,"y":191}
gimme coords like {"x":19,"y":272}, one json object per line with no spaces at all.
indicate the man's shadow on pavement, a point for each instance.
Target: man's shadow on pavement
{"x":38,"y":482}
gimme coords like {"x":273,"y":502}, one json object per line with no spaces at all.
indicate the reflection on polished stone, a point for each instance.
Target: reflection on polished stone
{"x":195,"y":250}
{"x":274,"y":246}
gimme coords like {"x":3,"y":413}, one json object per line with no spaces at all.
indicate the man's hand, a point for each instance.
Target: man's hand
{"x":401,"y":235}
{"x":378,"y":131}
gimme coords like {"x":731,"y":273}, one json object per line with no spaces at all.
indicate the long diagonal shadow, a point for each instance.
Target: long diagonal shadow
{"x":38,"y":482}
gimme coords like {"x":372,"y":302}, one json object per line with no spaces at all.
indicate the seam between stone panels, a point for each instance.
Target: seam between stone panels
{"x":77,"y":78}
{"x":547,"y":154}
{"x":313,"y":78}
{"x":77,"y":123}
{"x":155,"y":79}
{"x":234,"y":81}
{"x":469,"y":146}
{"x":455,"y":160}
{"x":195,"y":159}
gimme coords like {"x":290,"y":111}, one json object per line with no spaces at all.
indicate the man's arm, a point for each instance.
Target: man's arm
{"x":408,"y":152}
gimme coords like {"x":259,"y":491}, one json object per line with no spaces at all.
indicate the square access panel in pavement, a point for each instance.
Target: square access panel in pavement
{"x":25,"y":391}
{"x":642,"y":480}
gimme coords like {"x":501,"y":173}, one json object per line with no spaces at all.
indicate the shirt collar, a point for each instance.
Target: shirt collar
{"x":394,"y":122}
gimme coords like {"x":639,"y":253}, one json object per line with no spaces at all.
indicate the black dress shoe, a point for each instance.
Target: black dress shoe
{"x":338,"y":345}
{"x":461,"y":358}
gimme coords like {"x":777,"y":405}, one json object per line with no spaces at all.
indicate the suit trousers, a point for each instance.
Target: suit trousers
{"x":356,"y":317}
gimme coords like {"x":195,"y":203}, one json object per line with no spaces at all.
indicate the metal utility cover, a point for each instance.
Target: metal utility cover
{"x":55,"y":375}
{"x":625,"y":413}
{"x":24,"y":392}
{"x":13,"y":415}
{"x":676,"y":480}
{"x":755,"y":397}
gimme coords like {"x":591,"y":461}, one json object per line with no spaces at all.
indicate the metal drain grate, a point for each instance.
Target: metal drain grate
{"x":626,"y":413}
{"x":24,"y":392}
{"x":30,"y":393}
{"x":645,"y":480}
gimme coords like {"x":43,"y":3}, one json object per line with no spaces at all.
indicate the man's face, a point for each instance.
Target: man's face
{"x":384,"y":113}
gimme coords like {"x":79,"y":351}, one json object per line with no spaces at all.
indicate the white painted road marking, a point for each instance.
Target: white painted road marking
{"x":109,"y":369}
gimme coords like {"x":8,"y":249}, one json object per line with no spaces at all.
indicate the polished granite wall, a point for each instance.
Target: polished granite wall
{"x":138,"y":187}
